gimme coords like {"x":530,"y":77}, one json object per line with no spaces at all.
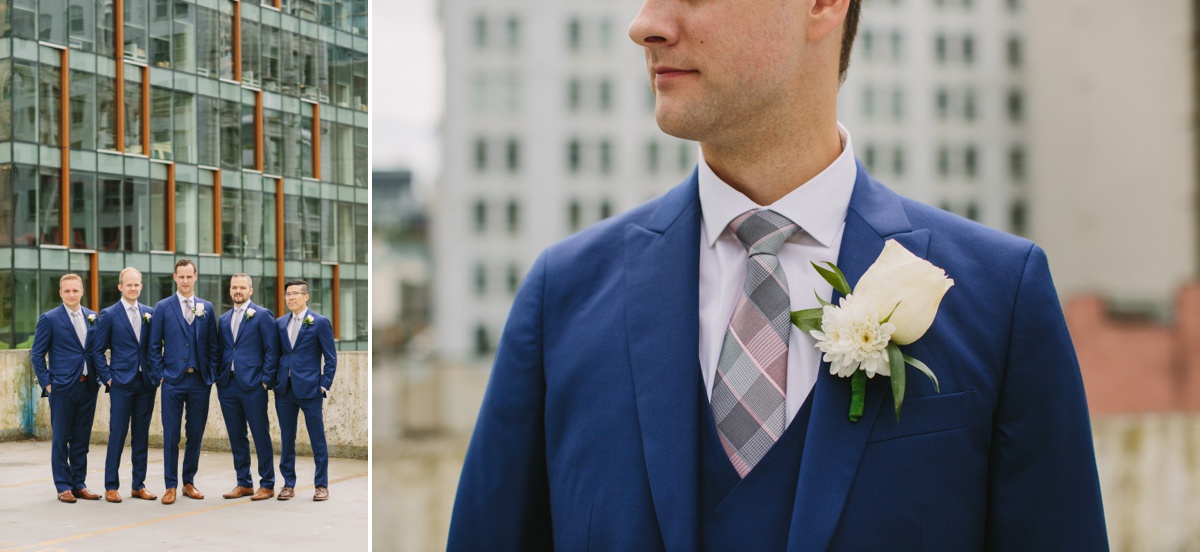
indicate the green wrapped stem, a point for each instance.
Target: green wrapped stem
{"x":858,"y":394}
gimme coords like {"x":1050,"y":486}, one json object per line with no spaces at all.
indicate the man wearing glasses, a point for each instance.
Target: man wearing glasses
{"x":302,"y":384}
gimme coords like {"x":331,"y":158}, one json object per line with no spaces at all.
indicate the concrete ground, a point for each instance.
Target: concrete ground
{"x":31,"y":518}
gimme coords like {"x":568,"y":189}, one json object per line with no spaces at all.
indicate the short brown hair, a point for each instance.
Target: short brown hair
{"x":186,"y":262}
{"x":242,"y":275}
{"x":66,"y":277}
{"x":850,"y":30}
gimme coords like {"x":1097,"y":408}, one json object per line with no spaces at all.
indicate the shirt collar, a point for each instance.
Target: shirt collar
{"x":129,"y":305}
{"x":302,"y":315}
{"x":818,"y":206}
{"x":183,"y":300}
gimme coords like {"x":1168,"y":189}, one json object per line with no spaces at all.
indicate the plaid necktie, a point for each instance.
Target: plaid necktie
{"x":751,"y":380}
{"x":189,"y":312}
{"x":135,"y":323}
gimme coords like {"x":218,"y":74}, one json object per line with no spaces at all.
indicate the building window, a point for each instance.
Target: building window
{"x":943,"y":161}
{"x":133,"y":109}
{"x":83,"y":209}
{"x":652,"y":156}
{"x":135,"y":30}
{"x":513,"y":155}
{"x":1013,"y":5}
{"x":480,"y":216}
{"x":573,"y":94}
{"x":897,"y":46}
{"x":231,"y":134}
{"x":160,"y":123}
{"x":606,"y":209}
{"x":606,"y":156}
{"x":1017,"y":218}
{"x":968,"y":49}
{"x":483,"y":345}
{"x":573,"y":155}
{"x":83,"y":110}
{"x":480,"y":280}
{"x":252,"y":55}
{"x":969,"y":105}
{"x":971,"y":161}
{"x":81,"y":32}
{"x":574,"y":220}
{"x":1016,"y":163}
{"x":574,"y":34}
{"x":939,"y":47}
{"x":685,"y":156}
{"x":943,"y":103}
{"x":1015,"y":106}
{"x":50,"y":96}
{"x":514,"y":279}
{"x":869,"y":157}
{"x":869,"y":102}
{"x":514,"y":32}
{"x":1014,"y":52}
{"x":973,"y":211}
{"x":514,"y":216}
{"x":867,"y":39}
{"x":897,"y":104}
{"x":480,"y":31}
{"x":898,"y":161}
{"x":605,"y":95}
{"x":480,"y":154}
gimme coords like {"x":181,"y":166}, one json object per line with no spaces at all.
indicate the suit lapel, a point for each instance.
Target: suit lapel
{"x":178,"y":310}
{"x":834,"y":445}
{"x":662,"y":267}
{"x":65,"y":319}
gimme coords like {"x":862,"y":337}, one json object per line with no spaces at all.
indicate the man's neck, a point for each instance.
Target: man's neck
{"x":240,"y":305}
{"x":74,"y":309}
{"x":775,"y":161}
{"x":298,"y":313}
{"x":129,"y":303}
{"x":186,"y":295}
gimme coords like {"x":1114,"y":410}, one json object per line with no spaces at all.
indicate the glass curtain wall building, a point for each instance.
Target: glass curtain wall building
{"x":139,"y":132}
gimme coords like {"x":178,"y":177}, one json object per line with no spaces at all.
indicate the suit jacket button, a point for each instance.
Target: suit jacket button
{"x":187,"y":344}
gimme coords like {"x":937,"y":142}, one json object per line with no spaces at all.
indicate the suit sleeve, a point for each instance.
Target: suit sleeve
{"x":98,"y":343}
{"x":214,"y":347}
{"x":270,"y":340}
{"x":329,"y":351}
{"x":41,"y":345}
{"x":503,"y":498}
{"x":1043,"y":488}
{"x":156,"y":345}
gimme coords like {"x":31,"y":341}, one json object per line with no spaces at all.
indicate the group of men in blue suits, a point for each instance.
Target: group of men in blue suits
{"x":180,"y":348}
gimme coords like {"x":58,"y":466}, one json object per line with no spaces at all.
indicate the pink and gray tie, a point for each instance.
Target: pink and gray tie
{"x":749,"y":390}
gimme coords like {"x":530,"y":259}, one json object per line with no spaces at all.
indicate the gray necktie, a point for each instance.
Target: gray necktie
{"x":80,"y":332}
{"x":135,"y":323}
{"x":189,"y":314}
{"x":750,"y":385}
{"x":237,"y":322}
{"x":294,"y":329}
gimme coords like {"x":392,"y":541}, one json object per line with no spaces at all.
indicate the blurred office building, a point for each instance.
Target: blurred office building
{"x":139,"y":133}
{"x":400,"y":263}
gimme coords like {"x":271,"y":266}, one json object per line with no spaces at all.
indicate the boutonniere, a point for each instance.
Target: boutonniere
{"x":249,"y":314}
{"x":894,"y":304}
{"x":198,"y":310}
{"x":308,"y":320}
{"x":91,"y":318}
{"x":145,"y":318}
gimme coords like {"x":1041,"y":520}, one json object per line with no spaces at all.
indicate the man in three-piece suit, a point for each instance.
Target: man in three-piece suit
{"x":70,"y":384}
{"x":184,"y":352}
{"x":302,"y":384}
{"x":627,"y":407}
{"x":124,"y":330}
{"x":249,"y":359}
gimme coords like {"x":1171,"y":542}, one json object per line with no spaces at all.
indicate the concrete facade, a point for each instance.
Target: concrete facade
{"x":345,"y":410}
{"x":1113,"y":146}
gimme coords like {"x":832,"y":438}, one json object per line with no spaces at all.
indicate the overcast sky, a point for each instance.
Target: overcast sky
{"x":406,"y":86}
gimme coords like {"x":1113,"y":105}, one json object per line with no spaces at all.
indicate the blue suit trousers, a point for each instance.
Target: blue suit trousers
{"x":288,"y":408}
{"x":191,"y":395}
{"x":248,"y":407}
{"x":132,"y":407}
{"x":72,"y":409}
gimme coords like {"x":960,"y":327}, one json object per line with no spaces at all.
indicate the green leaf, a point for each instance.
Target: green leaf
{"x":834,"y":276}
{"x":807,"y":319}
{"x":925,"y":369}
{"x":889,"y":316}
{"x":823,"y":302}
{"x":896,"y":364}
{"x":858,"y":394}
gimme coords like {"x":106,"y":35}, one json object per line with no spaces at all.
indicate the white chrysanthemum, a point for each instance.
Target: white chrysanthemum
{"x":852,"y":338}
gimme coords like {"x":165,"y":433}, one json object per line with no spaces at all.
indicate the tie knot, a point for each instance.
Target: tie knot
{"x":763,"y":231}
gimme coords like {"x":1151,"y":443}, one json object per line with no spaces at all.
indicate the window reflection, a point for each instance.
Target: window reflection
{"x":133,"y":110}
{"x":83,"y":110}
{"x":187,"y":241}
{"x":50,"y":95}
{"x":231,"y":134}
{"x":251,"y":56}
{"x":49,"y":205}
{"x":208,"y":129}
{"x":161,"y":25}
{"x":184,"y":127}
{"x":135,"y":30}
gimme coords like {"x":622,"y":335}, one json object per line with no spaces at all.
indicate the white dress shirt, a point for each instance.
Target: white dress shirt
{"x":135,"y":317}
{"x":819,"y":207}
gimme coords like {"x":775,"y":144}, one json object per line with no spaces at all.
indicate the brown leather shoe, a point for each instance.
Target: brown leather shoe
{"x":263,"y":493}
{"x":143,"y":494}
{"x":169,"y":496}
{"x":85,"y":494}
{"x":112,"y":495}
{"x":237,"y":492}
{"x":66,"y":496}
{"x":286,"y":493}
{"x":321,"y":494}
{"x":192,"y":492}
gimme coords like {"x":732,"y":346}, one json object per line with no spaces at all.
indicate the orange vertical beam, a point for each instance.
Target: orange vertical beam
{"x":146,"y":111}
{"x":316,"y":145}
{"x":337,"y":300}
{"x":94,"y":271}
{"x":64,"y":133}
{"x":258,"y":131}
{"x":171,"y":207}
{"x":279,"y":279}
{"x":119,"y":48}
{"x":217,"y":211}
{"x":237,"y":41}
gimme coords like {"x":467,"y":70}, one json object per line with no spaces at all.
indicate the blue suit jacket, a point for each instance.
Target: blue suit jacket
{"x":587,"y":437}
{"x":255,"y":355}
{"x":303,"y":362}
{"x":169,"y":342}
{"x":56,"y":336}
{"x":113,"y":333}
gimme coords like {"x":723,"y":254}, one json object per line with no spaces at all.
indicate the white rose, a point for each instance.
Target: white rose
{"x":200,"y":309}
{"x":909,"y":284}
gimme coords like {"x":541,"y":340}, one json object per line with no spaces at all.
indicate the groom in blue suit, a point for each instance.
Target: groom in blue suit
{"x":184,"y":353}
{"x":302,"y":384}
{"x":605,"y":424}
{"x":249,"y":359}
{"x":124,"y":330}
{"x":62,"y":334}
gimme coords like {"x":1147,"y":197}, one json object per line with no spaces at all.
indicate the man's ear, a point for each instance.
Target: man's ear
{"x":825,"y":17}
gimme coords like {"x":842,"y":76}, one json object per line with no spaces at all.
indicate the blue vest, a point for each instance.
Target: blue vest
{"x":755,"y":513}
{"x":193,"y":346}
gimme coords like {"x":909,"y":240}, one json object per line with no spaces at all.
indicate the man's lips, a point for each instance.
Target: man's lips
{"x":662,"y":73}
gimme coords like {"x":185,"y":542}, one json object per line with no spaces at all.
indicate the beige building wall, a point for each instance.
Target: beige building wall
{"x":1112,"y":144}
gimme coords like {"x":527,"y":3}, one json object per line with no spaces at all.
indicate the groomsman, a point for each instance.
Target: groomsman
{"x":249,"y":360}
{"x":302,"y":384}
{"x":124,"y":329}
{"x":70,"y":385}
{"x":183,"y":359}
